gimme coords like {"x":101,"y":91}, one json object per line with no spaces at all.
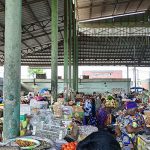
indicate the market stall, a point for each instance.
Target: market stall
{"x":59,"y":126}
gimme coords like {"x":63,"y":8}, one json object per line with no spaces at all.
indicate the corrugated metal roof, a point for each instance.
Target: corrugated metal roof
{"x":100,"y":46}
{"x":36,"y":28}
{"x":102,"y":8}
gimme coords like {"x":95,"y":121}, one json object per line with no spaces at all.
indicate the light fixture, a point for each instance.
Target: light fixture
{"x":110,"y":17}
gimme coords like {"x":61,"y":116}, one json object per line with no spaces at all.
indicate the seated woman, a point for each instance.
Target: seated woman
{"x":101,"y":140}
{"x":130,"y":125}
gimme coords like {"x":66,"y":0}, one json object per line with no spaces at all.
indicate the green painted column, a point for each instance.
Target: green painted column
{"x":77,"y":59}
{"x":54,"y":45}
{"x":66,"y":21}
{"x":76,"y":48}
{"x":70,"y":43}
{"x":12,"y":67}
{"x":128,"y":83}
{"x":74,"y":54}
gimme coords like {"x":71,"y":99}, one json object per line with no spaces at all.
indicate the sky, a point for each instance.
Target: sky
{"x":142,"y":72}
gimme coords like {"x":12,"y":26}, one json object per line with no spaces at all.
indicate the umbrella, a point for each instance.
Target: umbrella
{"x":43,"y":90}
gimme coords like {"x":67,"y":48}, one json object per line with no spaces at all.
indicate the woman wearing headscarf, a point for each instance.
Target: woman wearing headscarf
{"x":102,"y":115}
{"x":130,"y":126}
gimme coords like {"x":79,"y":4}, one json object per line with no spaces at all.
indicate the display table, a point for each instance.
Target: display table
{"x":44,"y":143}
{"x":143,"y":142}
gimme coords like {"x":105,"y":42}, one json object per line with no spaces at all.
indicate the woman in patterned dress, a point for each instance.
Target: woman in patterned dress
{"x":130,"y":125}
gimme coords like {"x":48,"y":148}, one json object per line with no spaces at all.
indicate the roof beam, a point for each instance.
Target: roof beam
{"x":115,"y":7}
{"x":23,"y":3}
{"x":32,"y":1}
{"x":40,"y":35}
{"x":91,"y":7}
{"x":3,"y":27}
{"x":34,"y":27}
{"x":33,"y":37}
{"x":26,"y":52}
{"x":36,"y":57}
{"x":85,"y":64}
{"x":127,"y":5}
{"x":105,"y":4}
{"x":140,"y":2}
{"x":132,"y":24}
{"x":102,"y":8}
{"x":112,"y":16}
{"x":146,"y":48}
{"x":34,"y":16}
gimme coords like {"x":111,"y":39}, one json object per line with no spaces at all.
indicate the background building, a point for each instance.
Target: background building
{"x":85,"y":85}
{"x":100,"y":74}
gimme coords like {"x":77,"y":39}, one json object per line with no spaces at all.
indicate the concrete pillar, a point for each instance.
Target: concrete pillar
{"x":135,"y":80}
{"x":66,"y":21}
{"x":54,"y":50}
{"x":12,"y":65}
{"x":70,"y":43}
{"x":77,"y":59}
{"x":128,"y":83}
{"x":75,"y":55}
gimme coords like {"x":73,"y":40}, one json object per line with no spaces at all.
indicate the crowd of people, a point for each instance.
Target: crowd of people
{"x":118,"y":125}
{"x":127,"y":121}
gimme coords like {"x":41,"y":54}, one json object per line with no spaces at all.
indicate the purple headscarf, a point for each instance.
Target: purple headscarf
{"x":130,"y":105}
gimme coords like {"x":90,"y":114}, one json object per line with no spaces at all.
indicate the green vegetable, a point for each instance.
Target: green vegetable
{"x":109,"y":97}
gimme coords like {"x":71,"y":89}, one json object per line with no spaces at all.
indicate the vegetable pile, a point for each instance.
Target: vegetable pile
{"x":69,"y":146}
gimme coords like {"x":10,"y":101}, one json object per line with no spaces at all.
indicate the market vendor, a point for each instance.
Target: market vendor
{"x":130,"y":125}
{"x":102,"y":115}
{"x":38,"y":97}
{"x":98,"y":101}
{"x":89,"y":112}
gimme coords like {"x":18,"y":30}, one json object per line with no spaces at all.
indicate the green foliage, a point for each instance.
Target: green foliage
{"x":32,"y":72}
{"x":109,"y":97}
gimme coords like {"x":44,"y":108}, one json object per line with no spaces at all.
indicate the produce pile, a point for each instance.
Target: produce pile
{"x":111,"y":102}
{"x":69,"y":146}
{"x":24,"y":143}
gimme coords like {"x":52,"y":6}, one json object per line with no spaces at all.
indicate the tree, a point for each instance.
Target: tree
{"x":33,"y":72}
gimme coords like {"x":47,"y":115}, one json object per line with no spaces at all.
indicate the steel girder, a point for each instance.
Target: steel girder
{"x":116,"y":31}
{"x":114,"y":49}
{"x":34,"y":27}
